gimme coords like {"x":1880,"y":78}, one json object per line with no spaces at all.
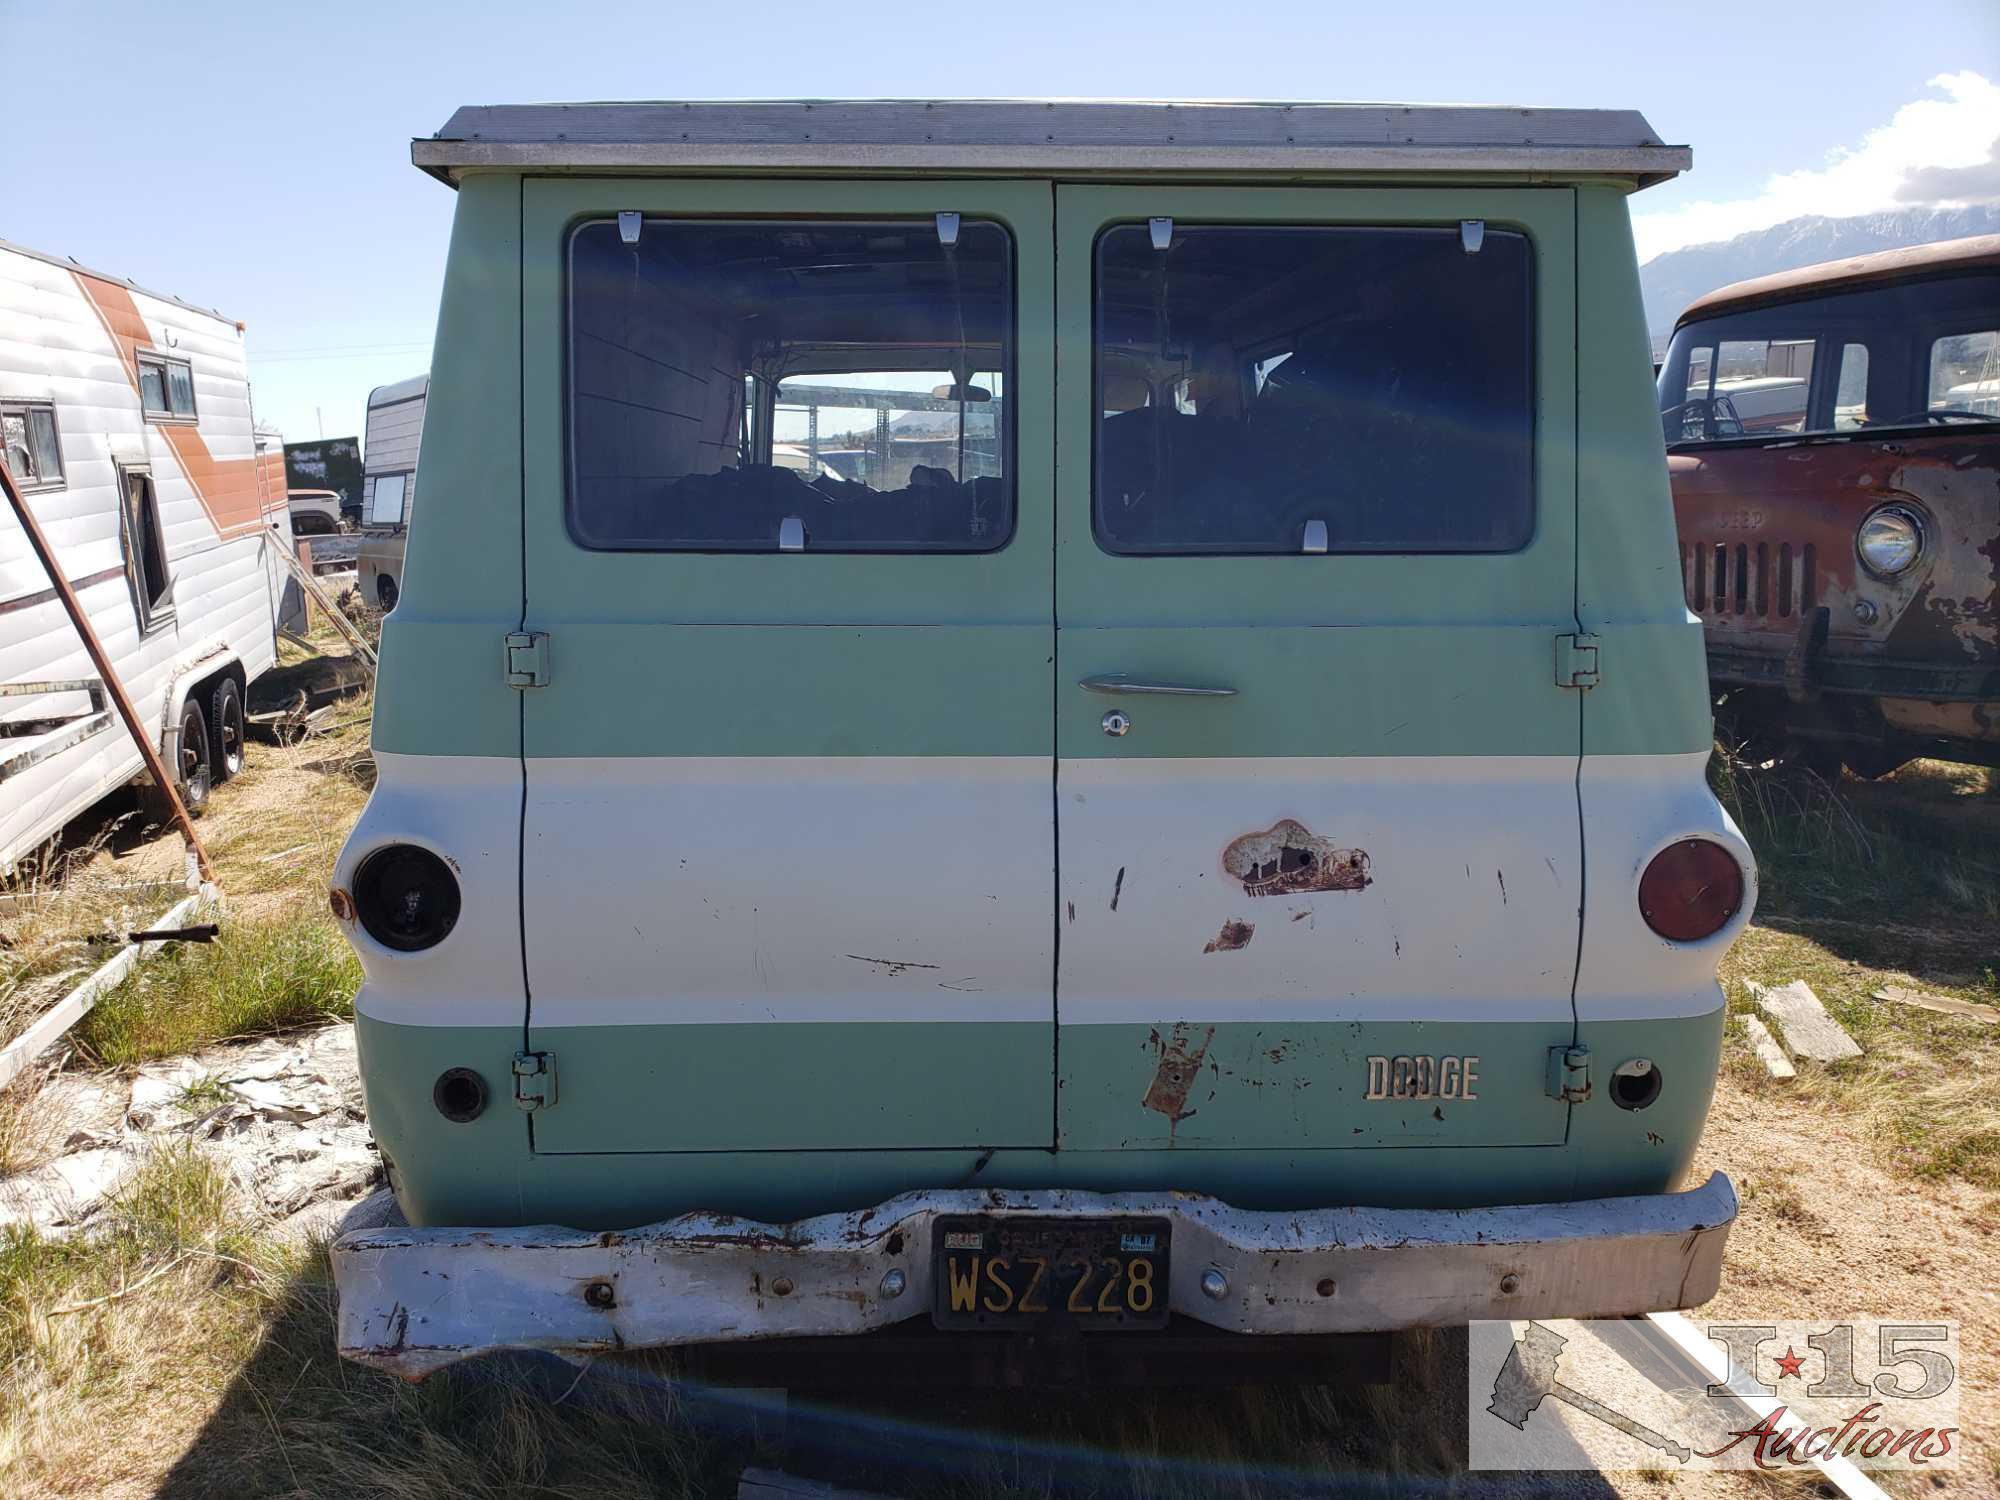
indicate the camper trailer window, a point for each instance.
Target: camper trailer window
{"x":166,"y":387}
{"x":840,"y":382}
{"x":32,"y":448}
{"x":1260,"y":385}
{"x":145,"y":550}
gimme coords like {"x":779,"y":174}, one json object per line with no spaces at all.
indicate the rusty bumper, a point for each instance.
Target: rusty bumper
{"x":415,"y":1300}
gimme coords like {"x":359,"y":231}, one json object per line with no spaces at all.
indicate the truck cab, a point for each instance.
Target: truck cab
{"x":1039,"y":716}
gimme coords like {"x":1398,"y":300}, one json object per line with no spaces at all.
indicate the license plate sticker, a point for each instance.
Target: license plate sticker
{"x":995,"y":1272}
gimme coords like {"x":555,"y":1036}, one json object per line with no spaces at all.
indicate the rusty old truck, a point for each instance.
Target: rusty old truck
{"x":1833,"y":438}
{"x":1029,"y":728}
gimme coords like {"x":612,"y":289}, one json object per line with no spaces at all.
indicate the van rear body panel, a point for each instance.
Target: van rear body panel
{"x":1042,"y":684}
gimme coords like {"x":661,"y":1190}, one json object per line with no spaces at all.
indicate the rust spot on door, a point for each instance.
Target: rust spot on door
{"x":1288,"y":858}
{"x":1178,"y":1068}
{"x":1235,"y":934}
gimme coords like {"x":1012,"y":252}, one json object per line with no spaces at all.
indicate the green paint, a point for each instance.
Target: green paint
{"x":1288,"y":1084}
{"x":797,"y":1086}
{"x":1653,"y":697}
{"x":485,"y":1172}
{"x":440,"y":690}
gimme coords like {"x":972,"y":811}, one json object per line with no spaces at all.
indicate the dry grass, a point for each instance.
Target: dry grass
{"x":1880,"y":883}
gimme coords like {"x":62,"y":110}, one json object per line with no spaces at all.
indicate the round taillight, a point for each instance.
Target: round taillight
{"x":405,"y":898}
{"x":1691,"y":890}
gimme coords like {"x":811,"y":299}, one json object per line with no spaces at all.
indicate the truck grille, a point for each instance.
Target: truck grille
{"x":1749,"y":578}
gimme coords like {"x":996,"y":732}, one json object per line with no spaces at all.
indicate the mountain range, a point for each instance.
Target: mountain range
{"x":1673,"y":280}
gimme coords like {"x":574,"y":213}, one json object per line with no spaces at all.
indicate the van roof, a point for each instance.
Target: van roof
{"x":1942,"y":257}
{"x":1057,"y":137}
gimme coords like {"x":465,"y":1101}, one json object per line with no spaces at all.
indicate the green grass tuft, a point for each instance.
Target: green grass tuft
{"x":260,"y":975}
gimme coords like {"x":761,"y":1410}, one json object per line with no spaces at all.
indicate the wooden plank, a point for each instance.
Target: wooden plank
{"x":49,"y":1027}
{"x":1807,"y":1029}
{"x":1897,"y":994}
{"x":1769,"y":1053}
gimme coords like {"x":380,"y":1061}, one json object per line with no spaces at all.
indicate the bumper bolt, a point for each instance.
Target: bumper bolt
{"x":893,"y":1283}
{"x":1327,"y":1286}
{"x":1509,"y":1284}
{"x":782,"y":1287}
{"x":599,"y":1294}
{"x":1214,"y":1285}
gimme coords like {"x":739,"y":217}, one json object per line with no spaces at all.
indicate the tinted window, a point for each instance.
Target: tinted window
{"x":839,"y":382}
{"x":1254,"y":381}
{"x":1910,"y":354}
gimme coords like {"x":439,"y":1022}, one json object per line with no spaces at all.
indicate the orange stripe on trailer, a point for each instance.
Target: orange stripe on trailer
{"x":229,"y":489}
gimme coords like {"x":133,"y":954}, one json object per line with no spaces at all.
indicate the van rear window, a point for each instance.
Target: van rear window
{"x":1285,"y":390}
{"x":820,"y":385}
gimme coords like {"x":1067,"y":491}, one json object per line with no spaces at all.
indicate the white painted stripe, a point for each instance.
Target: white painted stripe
{"x":770,"y":889}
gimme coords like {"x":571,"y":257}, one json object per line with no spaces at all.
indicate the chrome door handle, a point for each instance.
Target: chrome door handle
{"x":1117,"y":685}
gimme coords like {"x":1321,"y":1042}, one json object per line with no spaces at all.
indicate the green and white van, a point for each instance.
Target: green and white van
{"x":1037,"y":716}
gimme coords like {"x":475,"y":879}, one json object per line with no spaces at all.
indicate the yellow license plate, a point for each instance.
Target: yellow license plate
{"x":996,"y":1272}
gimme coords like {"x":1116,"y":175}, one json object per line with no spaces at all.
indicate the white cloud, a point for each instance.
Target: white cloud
{"x":1910,"y":159}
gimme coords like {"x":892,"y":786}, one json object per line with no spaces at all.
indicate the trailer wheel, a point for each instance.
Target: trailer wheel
{"x":195,"y":771}
{"x":225,"y":716}
{"x":385,"y":591}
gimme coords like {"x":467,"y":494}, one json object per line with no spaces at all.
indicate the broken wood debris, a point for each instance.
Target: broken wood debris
{"x":1897,"y":994}
{"x":1803,"y":1023}
{"x":1769,"y":1053}
{"x":50,"y":1026}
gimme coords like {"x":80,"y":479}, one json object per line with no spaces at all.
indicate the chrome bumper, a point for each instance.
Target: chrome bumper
{"x":415,"y":1300}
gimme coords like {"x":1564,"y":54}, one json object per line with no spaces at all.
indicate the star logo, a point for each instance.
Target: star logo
{"x":1789,"y":1362}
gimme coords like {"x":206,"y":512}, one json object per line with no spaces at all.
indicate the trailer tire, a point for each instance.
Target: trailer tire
{"x":385,"y":591}
{"x":225,"y":718}
{"x":194,"y":774}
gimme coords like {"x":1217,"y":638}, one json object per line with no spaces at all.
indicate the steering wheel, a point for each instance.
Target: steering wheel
{"x":1703,"y":417}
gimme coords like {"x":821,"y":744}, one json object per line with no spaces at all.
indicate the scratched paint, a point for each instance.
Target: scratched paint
{"x":1288,"y":858}
{"x":1235,"y":934}
{"x":1178,"y":1067}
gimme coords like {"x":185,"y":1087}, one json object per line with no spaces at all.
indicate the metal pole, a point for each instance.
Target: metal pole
{"x":95,"y":648}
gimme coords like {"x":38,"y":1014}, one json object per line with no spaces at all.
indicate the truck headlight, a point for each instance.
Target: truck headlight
{"x":1889,"y":541}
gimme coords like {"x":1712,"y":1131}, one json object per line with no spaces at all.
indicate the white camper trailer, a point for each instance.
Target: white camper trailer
{"x":389,"y":485}
{"x":126,"y":422}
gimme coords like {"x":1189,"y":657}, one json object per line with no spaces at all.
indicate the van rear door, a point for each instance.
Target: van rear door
{"x":1317,"y":813}
{"x":788,"y":850}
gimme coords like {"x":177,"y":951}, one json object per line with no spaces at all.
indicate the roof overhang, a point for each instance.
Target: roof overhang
{"x":1052,"y":138}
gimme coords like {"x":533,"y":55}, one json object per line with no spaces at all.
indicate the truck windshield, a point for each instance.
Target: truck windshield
{"x":1914,"y":354}
{"x":829,"y":385}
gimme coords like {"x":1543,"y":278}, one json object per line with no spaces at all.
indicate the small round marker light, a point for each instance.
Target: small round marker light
{"x":406,"y":898}
{"x":1691,"y":890}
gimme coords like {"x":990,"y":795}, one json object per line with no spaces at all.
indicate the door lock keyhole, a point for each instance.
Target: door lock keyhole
{"x":1117,"y":723}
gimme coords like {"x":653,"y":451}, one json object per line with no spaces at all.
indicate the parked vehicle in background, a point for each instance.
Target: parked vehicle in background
{"x":1833,"y":440}
{"x":126,"y":421}
{"x":328,"y":464}
{"x":1221,"y":537}
{"x":314,"y":512}
{"x":389,"y":486}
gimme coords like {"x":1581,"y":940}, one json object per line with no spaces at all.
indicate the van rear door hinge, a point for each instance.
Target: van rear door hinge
{"x":1576,"y":661}
{"x":534,"y":1081}
{"x":528,"y":659}
{"x":1569,"y":1074}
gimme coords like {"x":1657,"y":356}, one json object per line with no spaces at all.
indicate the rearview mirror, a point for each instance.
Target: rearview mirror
{"x":960,"y":392}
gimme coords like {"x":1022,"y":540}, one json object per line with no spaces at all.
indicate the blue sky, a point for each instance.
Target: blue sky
{"x":255,"y":157}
